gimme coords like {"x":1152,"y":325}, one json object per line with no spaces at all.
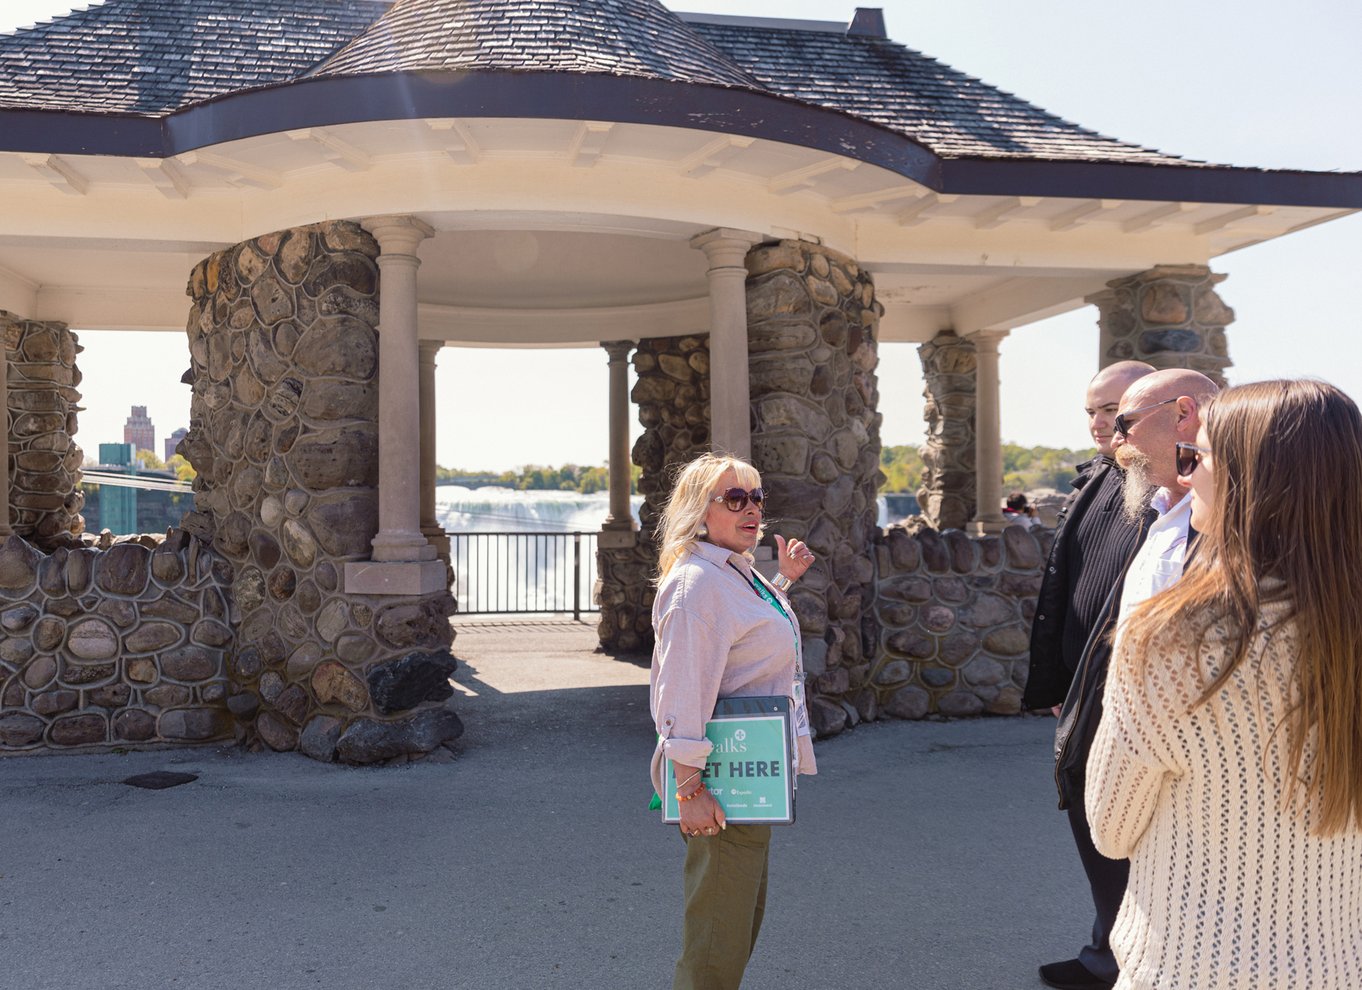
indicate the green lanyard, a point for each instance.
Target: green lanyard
{"x":760,"y":588}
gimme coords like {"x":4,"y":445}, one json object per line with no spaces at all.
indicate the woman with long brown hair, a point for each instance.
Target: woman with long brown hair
{"x":1228,"y":764}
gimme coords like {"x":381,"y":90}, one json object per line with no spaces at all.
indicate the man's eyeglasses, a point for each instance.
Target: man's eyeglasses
{"x":1189,"y":456}
{"x":735,"y":499}
{"x":1123,"y":425}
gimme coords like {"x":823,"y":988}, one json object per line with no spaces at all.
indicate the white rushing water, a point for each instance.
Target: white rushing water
{"x":490,"y":510}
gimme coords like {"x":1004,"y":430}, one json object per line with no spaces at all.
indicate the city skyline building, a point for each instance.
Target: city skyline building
{"x":139,"y":430}
{"x":173,"y":441}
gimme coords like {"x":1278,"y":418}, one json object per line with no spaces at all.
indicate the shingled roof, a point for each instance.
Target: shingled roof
{"x":154,"y":57}
{"x":879,"y":80}
{"x":623,"y":37}
{"x":151,"y":57}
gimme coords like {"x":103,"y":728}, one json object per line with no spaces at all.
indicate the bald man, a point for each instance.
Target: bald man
{"x":1094,"y":540}
{"x":1156,"y":411}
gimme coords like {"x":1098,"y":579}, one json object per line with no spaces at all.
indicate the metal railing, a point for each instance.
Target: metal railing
{"x":518,"y":572}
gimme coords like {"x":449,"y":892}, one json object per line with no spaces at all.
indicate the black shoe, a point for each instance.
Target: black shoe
{"x":1072,"y":975}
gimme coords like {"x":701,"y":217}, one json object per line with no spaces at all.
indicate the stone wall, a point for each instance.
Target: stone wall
{"x":126,"y":646}
{"x":947,"y":496}
{"x":283,"y":434}
{"x":1170,"y":316}
{"x":672,"y":394}
{"x":812,"y":319}
{"x":955,"y":618}
{"x":44,"y":462}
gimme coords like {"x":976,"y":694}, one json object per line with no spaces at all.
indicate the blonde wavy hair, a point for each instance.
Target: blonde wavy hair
{"x":683,"y":519}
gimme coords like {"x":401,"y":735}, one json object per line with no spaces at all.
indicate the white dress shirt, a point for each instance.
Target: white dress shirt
{"x":1158,"y":564}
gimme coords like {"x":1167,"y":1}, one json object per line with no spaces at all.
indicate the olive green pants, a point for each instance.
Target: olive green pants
{"x":725,"y":886}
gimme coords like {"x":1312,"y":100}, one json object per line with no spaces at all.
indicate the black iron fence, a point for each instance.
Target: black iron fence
{"x":506,"y":572}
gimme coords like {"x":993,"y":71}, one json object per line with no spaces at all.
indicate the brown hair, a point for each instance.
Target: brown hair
{"x":1287,"y":457}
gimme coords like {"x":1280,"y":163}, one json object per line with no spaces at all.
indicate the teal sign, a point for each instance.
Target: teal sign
{"x":748,"y":771}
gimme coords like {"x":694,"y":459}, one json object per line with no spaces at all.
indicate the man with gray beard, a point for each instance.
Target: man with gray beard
{"x":1156,"y":412}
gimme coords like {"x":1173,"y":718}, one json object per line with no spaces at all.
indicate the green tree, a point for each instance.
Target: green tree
{"x":148,"y":461}
{"x":184,"y":471}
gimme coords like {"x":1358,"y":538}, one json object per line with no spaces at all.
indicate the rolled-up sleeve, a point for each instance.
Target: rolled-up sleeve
{"x":691,"y":655}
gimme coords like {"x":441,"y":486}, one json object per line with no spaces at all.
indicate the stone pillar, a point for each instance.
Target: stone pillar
{"x":284,"y":439}
{"x":816,"y":441}
{"x":43,"y":462}
{"x":1170,"y":316}
{"x":988,"y":442}
{"x":4,"y":422}
{"x":947,"y":495}
{"x":730,"y":413}
{"x":430,"y":525}
{"x":673,"y":398}
{"x":403,"y":561}
{"x":619,"y":524}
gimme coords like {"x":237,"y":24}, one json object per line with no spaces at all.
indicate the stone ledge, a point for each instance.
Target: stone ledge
{"x":617,"y":539}
{"x":414,"y":577}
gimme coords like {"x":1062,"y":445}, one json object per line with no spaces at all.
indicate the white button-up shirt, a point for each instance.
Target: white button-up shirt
{"x":1158,"y":564}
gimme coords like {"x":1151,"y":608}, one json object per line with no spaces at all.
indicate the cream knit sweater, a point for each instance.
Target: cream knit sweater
{"x":1228,"y":887}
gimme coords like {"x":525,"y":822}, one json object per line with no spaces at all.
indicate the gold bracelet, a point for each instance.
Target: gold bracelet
{"x":782,"y":582}
{"x":689,"y":779}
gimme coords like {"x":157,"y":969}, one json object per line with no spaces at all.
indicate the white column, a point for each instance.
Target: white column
{"x":404,"y":562}
{"x":988,"y":443}
{"x":620,"y":529}
{"x":430,"y":524}
{"x":730,"y":423}
{"x":4,"y":447}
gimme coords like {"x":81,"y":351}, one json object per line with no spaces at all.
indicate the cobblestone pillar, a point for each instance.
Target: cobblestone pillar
{"x":284,"y":439}
{"x":4,"y":422}
{"x":1170,"y":316}
{"x":947,"y":495}
{"x":43,"y":461}
{"x":816,"y":441}
{"x":672,"y":394}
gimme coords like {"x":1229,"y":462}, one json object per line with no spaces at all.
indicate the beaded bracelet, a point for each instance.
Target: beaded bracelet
{"x":692,"y":795}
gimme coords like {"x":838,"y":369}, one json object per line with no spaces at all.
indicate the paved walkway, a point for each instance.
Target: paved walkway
{"x":927,"y":855}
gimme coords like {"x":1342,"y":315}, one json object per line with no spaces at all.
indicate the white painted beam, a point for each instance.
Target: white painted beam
{"x":338,"y":152}
{"x":862,"y":202}
{"x":1009,"y":207}
{"x":808,"y":176}
{"x":166,"y":176}
{"x":1158,"y":215}
{"x":588,"y":143}
{"x":1015,"y":302}
{"x":461,"y":146}
{"x":921,"y":210}
{"x":58,"y":171}
{"x":906,"y":323}
{"x":102,"y":307}
{"x":586,"y":326}
{"x":1231,"y":218}
{"x":237,"y":172}
{"x":1070,"y":219}
{"x":714,"y":155}
{"x":18,"y":293}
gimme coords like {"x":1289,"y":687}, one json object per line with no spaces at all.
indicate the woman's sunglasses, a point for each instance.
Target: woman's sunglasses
{"x":736,"y":499}
{"x":1189,"y":456}
{"x":1123,"y":424}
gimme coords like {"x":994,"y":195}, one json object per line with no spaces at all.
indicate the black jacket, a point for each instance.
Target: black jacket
{"x":1091,"y":536}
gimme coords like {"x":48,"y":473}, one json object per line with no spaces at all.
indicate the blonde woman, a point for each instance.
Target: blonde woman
{"x":1228,"y":763}
{"x":722,"y":631}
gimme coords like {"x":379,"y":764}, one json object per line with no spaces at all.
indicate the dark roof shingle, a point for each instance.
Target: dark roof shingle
{"x":953,"y":114}
{"x":620,"y":37}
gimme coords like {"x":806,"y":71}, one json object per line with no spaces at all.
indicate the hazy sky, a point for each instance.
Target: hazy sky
{"x":1249,"y":83}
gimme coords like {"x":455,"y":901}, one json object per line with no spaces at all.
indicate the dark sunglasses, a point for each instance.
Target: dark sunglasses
{"x":736,"y":499}
{"x":1189,"y":456}
{"x":1123,"y":425}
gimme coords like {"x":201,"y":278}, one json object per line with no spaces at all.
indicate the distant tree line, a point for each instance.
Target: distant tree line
{"x":1024,"y":468}
{"x":535,"y":477}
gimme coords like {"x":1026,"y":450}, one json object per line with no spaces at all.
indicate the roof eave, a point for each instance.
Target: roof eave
{"x":336,"y":100}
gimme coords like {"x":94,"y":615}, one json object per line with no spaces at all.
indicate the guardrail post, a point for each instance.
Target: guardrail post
{"x":576,"y":577}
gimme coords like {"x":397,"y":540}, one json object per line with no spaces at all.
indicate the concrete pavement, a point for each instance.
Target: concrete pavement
{"x":927,"y":855}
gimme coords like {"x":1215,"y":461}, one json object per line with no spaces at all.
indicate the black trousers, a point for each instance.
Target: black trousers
{"x":1107,"y":879}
